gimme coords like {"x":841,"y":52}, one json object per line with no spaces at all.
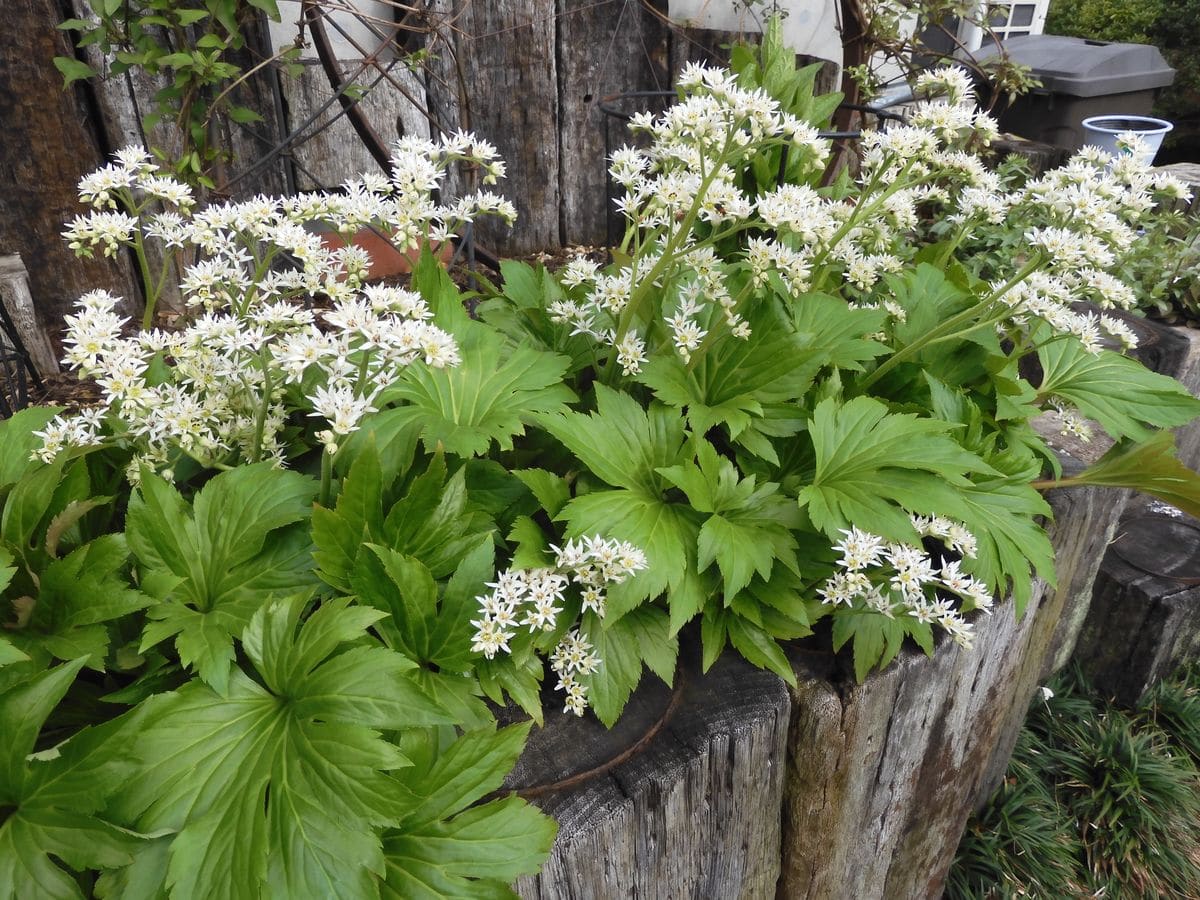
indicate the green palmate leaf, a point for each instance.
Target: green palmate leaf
{"x":26,"y":505}
{"x":521,"y":681}
{"x":495,"y":491}
{"x":628,"y":446}
{"x":1119,"y":393}
{"x":1004,"y":517}
{"x":340,"y":533}
{"x":666,"y":532}
{"x":859,"y":447}
{"x":738,"y":384}
{"x":281,"y":782}
{"x":528,"y":545}
{"x":759,"y":647}
{"x":244,"y":541}
{"x":10,"y":654}
{"x":643,"y":636}
{"x":1150,"y":467}
{"x":876,"y":637}
{"x":442,"y":848}
{"x":49,"y":804}
{"x":928,"y":298}
{"x":749,"y":526}
{"x":77,"y":595}
{"x":18,"y":441}
{"x":432,"y":281}
{"x":489,"y":397}
{"x":841,"y":330}
{"x":523,"y":284}
{"x":622,"y":443}
{"x":1003,"y":513}
{"x":551,"y":491}
{"x":434,"y":521}
{"x":423,"y":626}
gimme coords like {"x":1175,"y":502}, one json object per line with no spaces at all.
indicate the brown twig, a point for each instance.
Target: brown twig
{"x":539,"y":790}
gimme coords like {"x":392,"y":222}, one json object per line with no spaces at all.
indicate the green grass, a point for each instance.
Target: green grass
{"x":1097,"y":801}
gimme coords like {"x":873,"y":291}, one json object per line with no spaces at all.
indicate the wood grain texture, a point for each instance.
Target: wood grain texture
{"x":704,"y":45}
{"x":49,"y":144}
{"x":695,"y":814}
{"x":880,"y":777}
{"x":494,"y":72}
{"x":327,"y":152}
{"x":605,"y":48}
{"x":883,"y":775}
{"x":1085,"y":520}
{"x":1144,"y":618}
{"x":247,"y":143}
{"x":18,"y":303}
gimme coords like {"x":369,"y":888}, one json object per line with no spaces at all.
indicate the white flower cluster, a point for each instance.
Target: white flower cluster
{"x":686,"y":178}
{"x":534,"y":599}
{"x":892,"y":577}
{"x":917,"y":179}
{"x":1083,"y":217}
{"x":249,"y":272}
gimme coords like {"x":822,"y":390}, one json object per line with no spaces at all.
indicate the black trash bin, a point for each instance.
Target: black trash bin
{"x":1080,"y":78}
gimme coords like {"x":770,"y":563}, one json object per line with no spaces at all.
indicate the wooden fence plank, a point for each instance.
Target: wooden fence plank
{"x":494,"y":72}
{"x":883,"y":775}
{"x":604,"y":48}
{"x":18,"y":303}
{"x":327,"y":151}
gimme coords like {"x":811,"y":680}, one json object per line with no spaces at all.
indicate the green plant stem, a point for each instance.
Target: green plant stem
{"x":713,"y":333}
{"x":646,"y":285}
{"x":326,"y":478}
{"x":260,"y":420}
{"x":951,"y":246}
{"x":955,"y":327}
{"x":148,"y":283}
{"x":860,"y":211}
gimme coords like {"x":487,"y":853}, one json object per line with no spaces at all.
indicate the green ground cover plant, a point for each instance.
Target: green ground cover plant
{"x":261,"y":601}
{"x":1097,"y":801}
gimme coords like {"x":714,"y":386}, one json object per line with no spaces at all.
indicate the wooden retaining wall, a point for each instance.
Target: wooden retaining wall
{"x":829,"y":790}
{"x":1144,"y":619}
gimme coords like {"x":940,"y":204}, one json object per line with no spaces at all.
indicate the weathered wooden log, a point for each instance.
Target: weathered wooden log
{"x":883,"y":775}
{"x":880,"y":776}
{"x":692,"y":813}
{"x":602,"y":51}
{"x":1144,"y":619}
{"x":14,"y":293}
{"x":1085,"y":521}
{"x":1040,"y":157}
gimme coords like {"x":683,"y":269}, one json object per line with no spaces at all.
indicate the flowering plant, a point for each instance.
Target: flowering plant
{"x":230,"y":385}
{"x":807,"y":401}
{"x":781,"y":402}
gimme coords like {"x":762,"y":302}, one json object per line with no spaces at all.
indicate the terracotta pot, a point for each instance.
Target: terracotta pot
{"x":386,"y":260}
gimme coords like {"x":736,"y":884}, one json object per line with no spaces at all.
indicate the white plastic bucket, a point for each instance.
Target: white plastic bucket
{"x":1103,"y":131}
